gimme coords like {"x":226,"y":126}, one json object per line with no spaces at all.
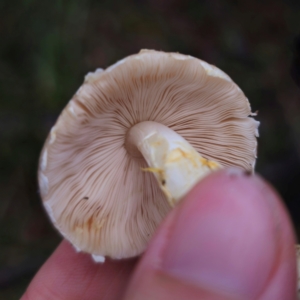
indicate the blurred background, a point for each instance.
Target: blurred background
{"x":46,"y":48}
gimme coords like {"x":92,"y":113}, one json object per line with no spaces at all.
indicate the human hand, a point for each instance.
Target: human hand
{"x":229,"y":239}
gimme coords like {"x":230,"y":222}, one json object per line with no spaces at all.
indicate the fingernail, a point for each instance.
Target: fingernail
{"x":224,"y":236}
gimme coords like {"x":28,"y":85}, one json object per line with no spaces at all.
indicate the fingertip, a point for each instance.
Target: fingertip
{"x":231,"y":234}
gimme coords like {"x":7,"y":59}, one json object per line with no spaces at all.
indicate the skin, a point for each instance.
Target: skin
{"x":230,"y":238}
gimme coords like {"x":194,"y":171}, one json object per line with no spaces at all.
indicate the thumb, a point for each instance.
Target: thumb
{"x":230,"y":238}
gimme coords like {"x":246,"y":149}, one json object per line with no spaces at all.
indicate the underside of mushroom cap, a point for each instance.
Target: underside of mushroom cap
{"x":95,"y":192}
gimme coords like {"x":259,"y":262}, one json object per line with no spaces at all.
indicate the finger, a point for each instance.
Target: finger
{"x":230,"y":238}
{"x":71,"y":275}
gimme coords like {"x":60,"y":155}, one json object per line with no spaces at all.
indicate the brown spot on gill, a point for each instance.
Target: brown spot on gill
{"x":91,"y":224}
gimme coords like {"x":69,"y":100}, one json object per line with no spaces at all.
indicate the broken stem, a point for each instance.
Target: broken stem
{"x":176,"y":165}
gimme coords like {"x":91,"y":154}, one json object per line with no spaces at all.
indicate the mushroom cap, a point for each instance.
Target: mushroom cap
{"x":92,"y":188}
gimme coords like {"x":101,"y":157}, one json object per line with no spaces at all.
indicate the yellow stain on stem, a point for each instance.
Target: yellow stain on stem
{"x":177,"y":154}
{"x":210,"y":163}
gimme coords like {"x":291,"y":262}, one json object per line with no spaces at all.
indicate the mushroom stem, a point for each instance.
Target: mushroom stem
{"x":176,"y":165}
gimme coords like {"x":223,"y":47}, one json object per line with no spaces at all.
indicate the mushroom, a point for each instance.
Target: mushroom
{"x":132,"y":142}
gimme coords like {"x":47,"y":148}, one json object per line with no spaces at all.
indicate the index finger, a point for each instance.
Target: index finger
{"x":71,"y":275}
